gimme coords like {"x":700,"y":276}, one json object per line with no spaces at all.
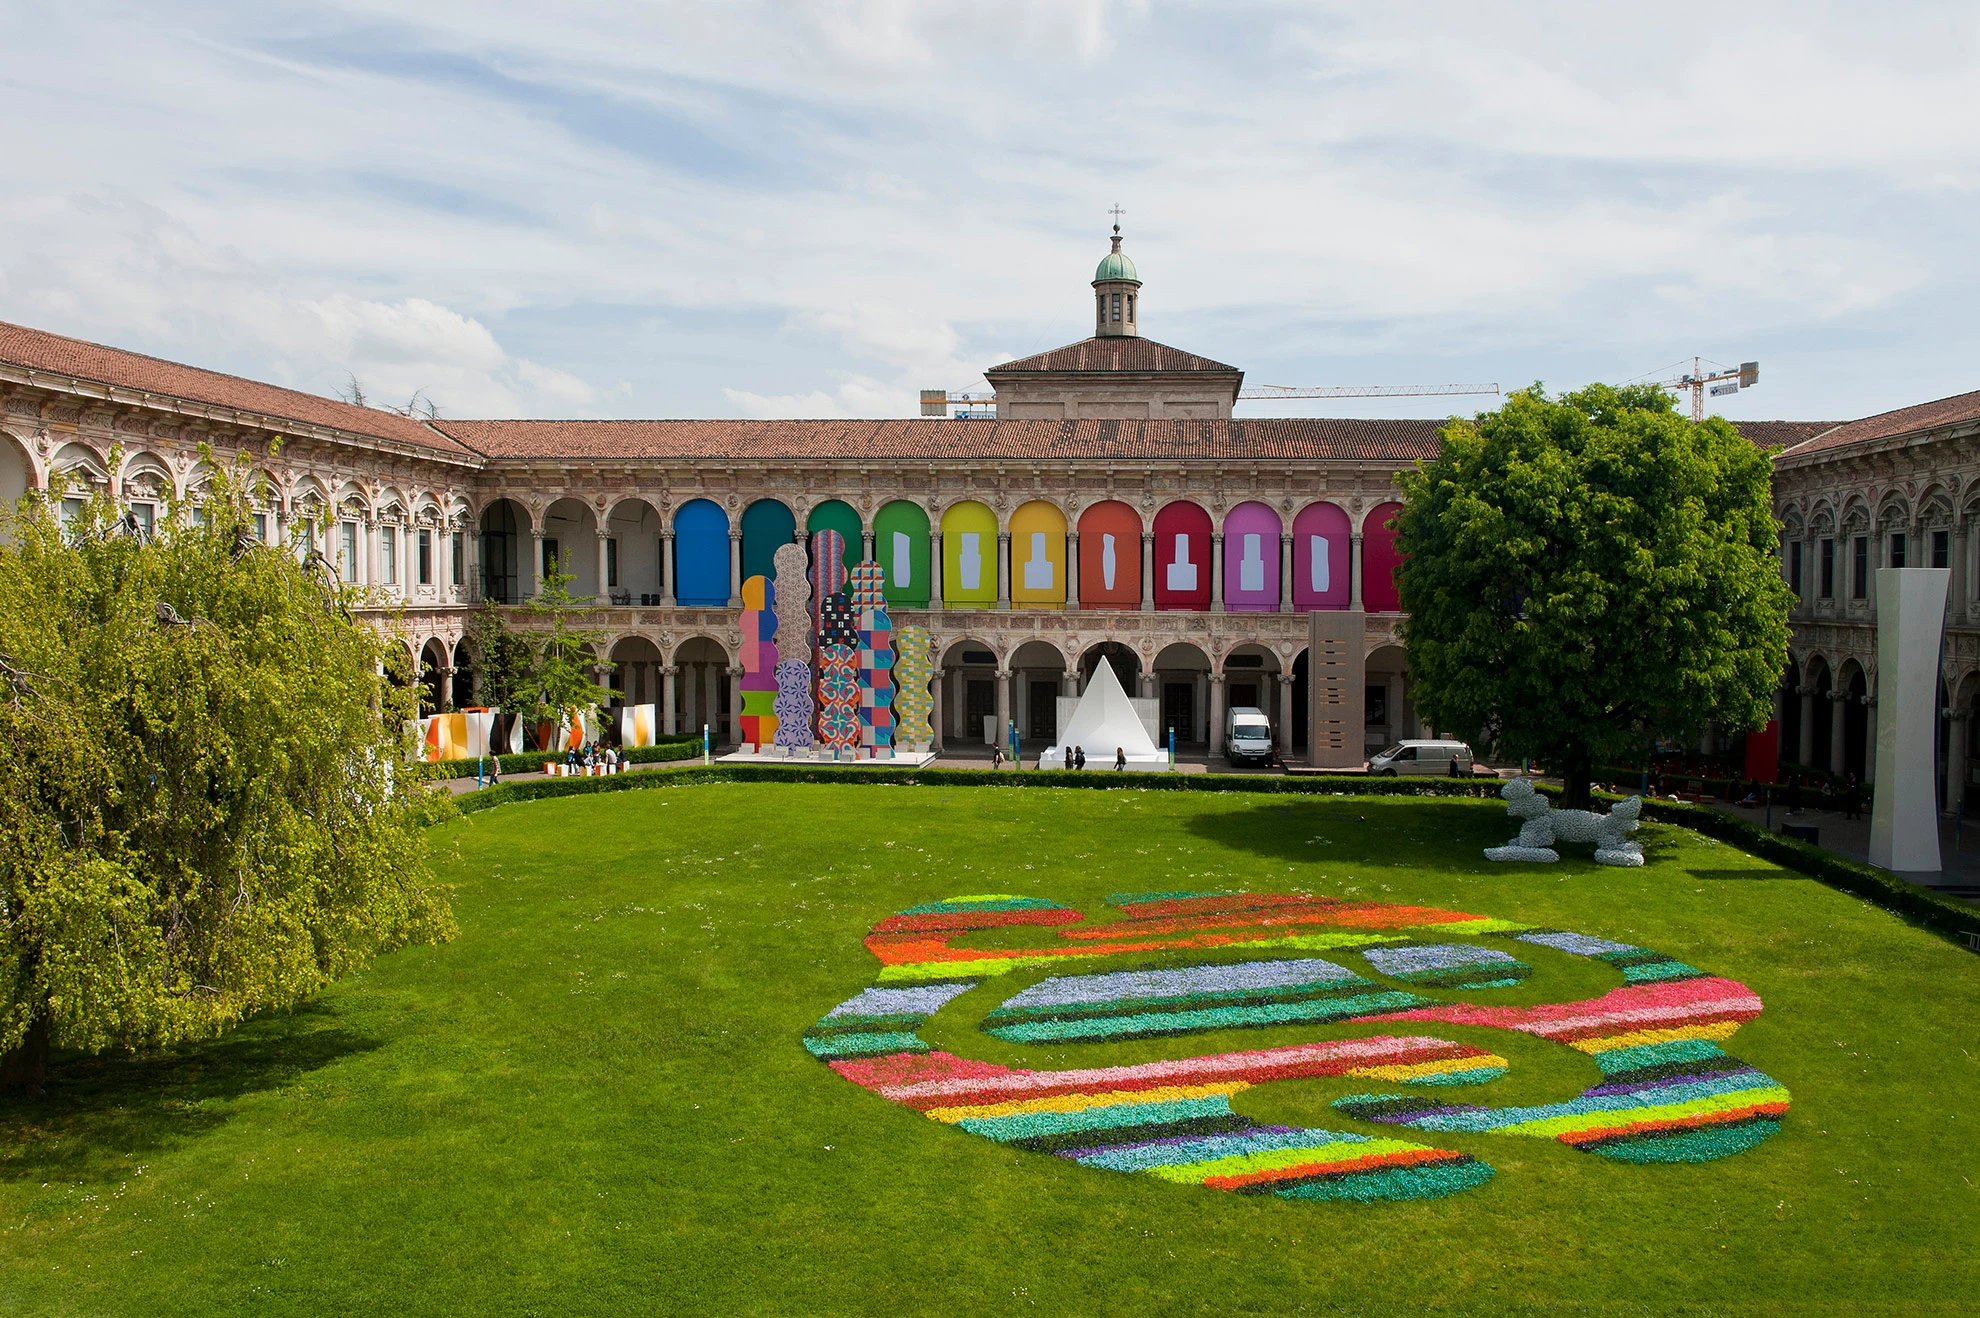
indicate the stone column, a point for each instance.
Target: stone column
{"x":1806,"y":750}
{"x":1003,"y":569}
{"x":1838,"y":701}
{"x":1957,"y":558}
{"x":1072,"y":569}
{"x":1216,"y":572}
{"x":535,"y":574}
{"x":1217,"y":681}
{"x":1199,"y":690}
{"x":445,"y":672}
{"x":866,"y":541}
{"x":735,"y":702}
{"x":1955,"y":760}
{"x":1354,"y":572}
{"x":1147,"y":571}
{"x":1285,"y":574}
{"x":1003,"y":699}
{"x":1870,"y":739}
{"x":941,"y":689}
{"x":711,"y":693}
{"x":935,"y":571}
{"x":666,"y":569}
{"x":1285,"y":714}
{"x":604,"y":589}
{"x":735,"y":569}
{"x":368,"y":550}
{"x":1147,"y":685}
{"x":1877,"y":552}
{"x":1069,"y":683}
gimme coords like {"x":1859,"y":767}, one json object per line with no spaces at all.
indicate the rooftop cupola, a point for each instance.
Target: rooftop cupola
{"x":1116,"y":294}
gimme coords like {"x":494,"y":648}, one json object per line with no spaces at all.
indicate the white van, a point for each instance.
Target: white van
{"x":1247,"y":735}
{"x":1432,"y":757}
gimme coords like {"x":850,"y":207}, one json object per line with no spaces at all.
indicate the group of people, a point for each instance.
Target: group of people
{"x":590,"y":757}
{"x":1075,"y":758}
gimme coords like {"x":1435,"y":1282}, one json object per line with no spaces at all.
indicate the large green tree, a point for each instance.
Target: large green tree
{"x":209,"y":805}
{"x":1588,"y":571}
{"x":561,"y":681}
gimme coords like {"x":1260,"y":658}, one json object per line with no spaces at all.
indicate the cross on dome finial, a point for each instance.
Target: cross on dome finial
{"x":1117,"y":212}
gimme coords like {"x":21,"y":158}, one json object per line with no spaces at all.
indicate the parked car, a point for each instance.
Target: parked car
{"x":1430,"y":757}
{"x":1247,"y":735}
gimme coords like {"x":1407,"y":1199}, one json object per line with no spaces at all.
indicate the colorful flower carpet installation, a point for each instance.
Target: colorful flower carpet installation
{"x":1448,"y":965}
{"x":1668,"y":1093}
{"x":1141,"y":1004}
{"x":914,"y":670}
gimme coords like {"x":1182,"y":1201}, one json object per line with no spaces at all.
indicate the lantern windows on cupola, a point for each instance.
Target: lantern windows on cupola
{"x":1116,"y":290}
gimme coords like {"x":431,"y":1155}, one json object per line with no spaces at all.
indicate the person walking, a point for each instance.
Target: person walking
{"x":1079,"y":757}
{"x":494,"y":771}
{"x":997,"y":756}
{"x":1120,"y":759}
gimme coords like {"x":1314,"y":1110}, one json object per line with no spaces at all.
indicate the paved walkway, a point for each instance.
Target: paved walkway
{"x":1959,"y":847}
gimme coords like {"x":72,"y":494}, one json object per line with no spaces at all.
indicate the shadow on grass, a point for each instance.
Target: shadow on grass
{"x":1400,"y":831}
{"x":96,"y":1112}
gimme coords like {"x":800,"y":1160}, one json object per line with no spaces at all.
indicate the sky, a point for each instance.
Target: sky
{"x":816,"y":209}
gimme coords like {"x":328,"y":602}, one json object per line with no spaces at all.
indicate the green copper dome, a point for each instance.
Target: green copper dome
{"x":1115,"y":265}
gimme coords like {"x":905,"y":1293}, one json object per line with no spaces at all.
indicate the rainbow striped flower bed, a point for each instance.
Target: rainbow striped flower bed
{"x":1668,"y":1094}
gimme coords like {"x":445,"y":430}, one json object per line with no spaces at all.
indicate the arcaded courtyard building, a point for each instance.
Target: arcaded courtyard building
{"x":1111,"y":506}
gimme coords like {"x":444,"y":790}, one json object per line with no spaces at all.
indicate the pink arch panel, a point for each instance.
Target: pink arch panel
{"x":1251,"y":559}
{"x":1182,"y":557}
{"x":1320,"y":558}
{"x":1379,"y":560}
{"x":1102,"y":520}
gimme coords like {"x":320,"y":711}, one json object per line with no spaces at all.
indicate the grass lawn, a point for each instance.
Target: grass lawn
{"x":596,"y":1099}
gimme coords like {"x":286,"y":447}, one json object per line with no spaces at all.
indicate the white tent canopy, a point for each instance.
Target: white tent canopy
{"x":1105,"y":721}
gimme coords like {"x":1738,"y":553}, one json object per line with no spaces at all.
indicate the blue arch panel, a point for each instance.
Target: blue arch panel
{"x":701,"y":554}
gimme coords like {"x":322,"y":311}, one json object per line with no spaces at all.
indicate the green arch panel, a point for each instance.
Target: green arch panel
{"x":900,"y":542}
{"x":766,"y":524}
{"x":837,"y":515}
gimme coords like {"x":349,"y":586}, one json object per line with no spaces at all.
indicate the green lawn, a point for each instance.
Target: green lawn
{"x":596,"y":1100}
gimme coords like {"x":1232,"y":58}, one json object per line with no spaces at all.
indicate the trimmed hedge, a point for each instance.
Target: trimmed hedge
{"x":667,"y":750}
{"x":1923,"y":906}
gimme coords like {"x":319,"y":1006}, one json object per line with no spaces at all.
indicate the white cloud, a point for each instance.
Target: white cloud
{"x":824,"y":207}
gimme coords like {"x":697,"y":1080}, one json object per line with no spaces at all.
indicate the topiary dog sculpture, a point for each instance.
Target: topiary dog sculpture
{"x":1542,"y":826}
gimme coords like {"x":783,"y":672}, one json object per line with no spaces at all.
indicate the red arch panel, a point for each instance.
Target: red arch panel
{"x":1379,"y":560}
{"x":1096,"y":524}
{"x":1182,"y":557}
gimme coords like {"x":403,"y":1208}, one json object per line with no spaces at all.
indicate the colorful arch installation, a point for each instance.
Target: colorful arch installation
{"x":969,"y":556}
{"x":1251,"y":559}
{"x":1038,"y":556}
{"x":835,"y":515}
{"x":766,"y":524}
{"x":701,"y":554}
{"x":900,"y":543}
{"x":1321,"y":554}
{"x":1379,"y":560}
{"x":1110,"y":557}
{"x":1182,"y":557}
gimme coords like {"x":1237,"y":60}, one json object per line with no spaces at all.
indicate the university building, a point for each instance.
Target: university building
{"x":1111,"y":508}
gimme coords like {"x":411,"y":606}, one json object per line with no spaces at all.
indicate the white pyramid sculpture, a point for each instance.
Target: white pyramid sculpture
{"x":1103,"y":721}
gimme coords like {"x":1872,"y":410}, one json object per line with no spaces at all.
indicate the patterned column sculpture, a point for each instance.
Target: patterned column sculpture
{"x":759,"y":662}
{"x":838,"y":673}
{"x":828,"y":574}
{"x":876,"y":659}
{"x":793,"y":704}
{"x":914,"y":670}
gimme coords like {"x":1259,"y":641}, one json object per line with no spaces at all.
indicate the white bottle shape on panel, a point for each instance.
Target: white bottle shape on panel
{"x":969,"y":561}
{"x":1038,"y":568}
{"x":903,"y":561}
{"x":1321,"y":578}
{"x":1106,"y":560}
{"x":1251,"y":568}
{"x":1182,"y":572}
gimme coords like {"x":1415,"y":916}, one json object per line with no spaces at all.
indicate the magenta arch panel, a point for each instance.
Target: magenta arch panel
{"x":1379,"y":560}
{"x":1251,"y":559}
{"x":1321,"y":554}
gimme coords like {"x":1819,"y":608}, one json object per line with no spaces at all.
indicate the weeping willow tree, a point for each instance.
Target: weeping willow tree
{"x":208,"y":804}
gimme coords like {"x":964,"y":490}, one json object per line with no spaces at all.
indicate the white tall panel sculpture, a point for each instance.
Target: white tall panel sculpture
{"x":1904,"y":815}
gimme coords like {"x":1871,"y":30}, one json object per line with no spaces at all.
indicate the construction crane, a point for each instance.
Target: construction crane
{"x":1718,"y":382}
{"x":936,"y":402}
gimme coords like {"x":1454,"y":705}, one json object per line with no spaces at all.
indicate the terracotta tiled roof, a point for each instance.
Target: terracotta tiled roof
{"x":37,"y":350}
{"x":1781,"y":434}
{"x":1891,"y":425}
{"x":1262,"y":440}
{"x":1121,"y":353}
